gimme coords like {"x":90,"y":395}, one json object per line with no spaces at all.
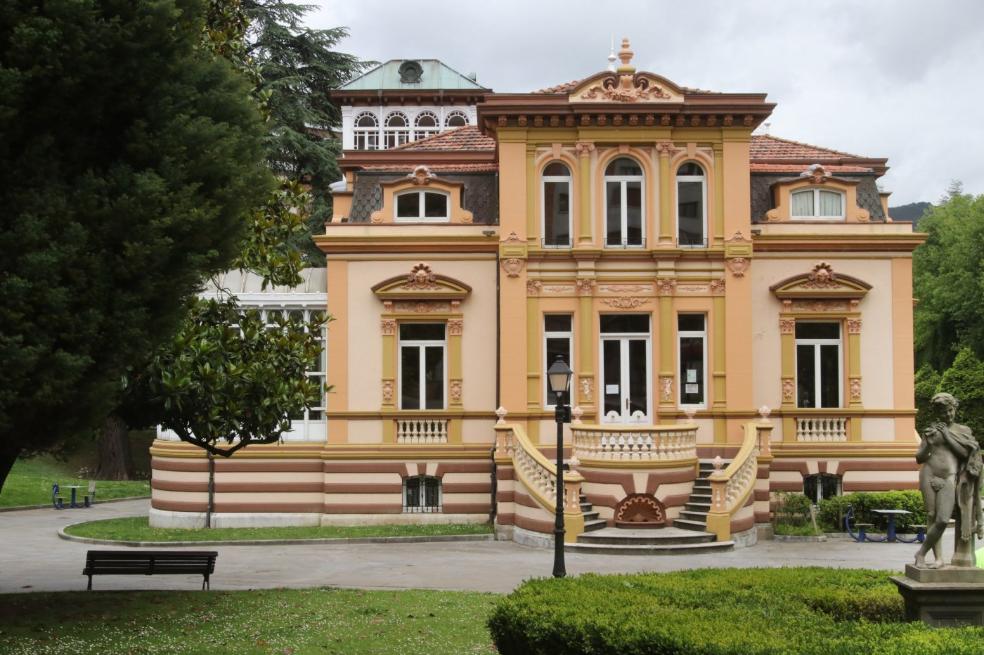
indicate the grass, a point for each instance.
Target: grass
{"x":280,"y":621}
{"x":796,"y":530}
{"x":30,"y":480}
{"x":137,"y":528}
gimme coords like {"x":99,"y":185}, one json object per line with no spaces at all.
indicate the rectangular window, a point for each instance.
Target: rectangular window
{"x":422,"y":357}
{"x":818,"y":364}
{"x":692,"y":341}
{"x":422,"y":493}
{"x":623,"y":215}
{"x":558,"y":339}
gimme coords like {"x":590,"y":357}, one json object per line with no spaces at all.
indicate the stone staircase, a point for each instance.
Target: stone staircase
{"x":687,"y":536}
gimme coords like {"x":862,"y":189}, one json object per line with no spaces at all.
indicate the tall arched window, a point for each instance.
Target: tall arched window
{"x":624,"y":203}
{"x":425,"y":125}
{"x":456,"y":119}
{"x":397,"y":129}
{"x":556,"y":203}
{"x":691,"y":205}
{"x":366,"y":131}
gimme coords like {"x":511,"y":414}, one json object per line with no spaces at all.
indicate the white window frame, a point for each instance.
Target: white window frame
{"x":624,"y":371}
{"x":424,"y":132}
{"x":401,"y":135}
{"x":420,"y":218}
{"x":623,"y":180}
{"x":421,"y":345}
{"x":422,"y":508}
{"x":682,"y":334}
{"x":454,"y":114}
{"x":703,"y":203}
{"x":816,"y":205}
{"x":569,"y":180}
{"x":815,"y":344}
{"x":368,"y":135}
{"x":548,"y":397}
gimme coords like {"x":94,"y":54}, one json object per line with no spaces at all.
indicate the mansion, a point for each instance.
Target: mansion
{"x":736,"y":308}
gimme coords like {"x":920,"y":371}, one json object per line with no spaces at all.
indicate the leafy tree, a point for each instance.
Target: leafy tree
{"x":128,"y":158}
{"x":965,"y":380}
{"x":927,"y":384}
{"x":949,"y":280}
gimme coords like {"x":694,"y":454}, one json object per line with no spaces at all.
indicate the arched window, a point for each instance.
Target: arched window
{"x":456,"y":119}
{"x":366,"y":132}
{"x":413,"y":206}
{"x":421,"y":493}
{"x":821,"y":486}
{"x":425,"y":125}
{"x":397,"y":129}
{"x":817,"y":203}
{"x":691,"y":205}
{"x":556,"y":202}
{"x":624,"y":203}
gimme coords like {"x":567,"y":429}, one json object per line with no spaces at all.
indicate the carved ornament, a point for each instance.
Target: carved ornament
{"x":788,"y":390}
{"x":388,"y":327}
{"x":640,"y":511}
{"x":586,"y":388}
{"x":420,"y":277}
{"x":816,"y":173}
{"x":854,"y":326}
{"x":854,"y":386}
{"x":513,"y":266}
{"x":584,"y":286}
{"x":787,"y":326}
{"x":421,"y":175}
{"x":454,"y":391}
{"x":717,"y":287}
{"x":387,"y":391}
{"x":625,"y":302}
{"x":665,"y":286}
{"x":456,"y":327}
{"x":533,"y":287}
{"x":666,"y":389}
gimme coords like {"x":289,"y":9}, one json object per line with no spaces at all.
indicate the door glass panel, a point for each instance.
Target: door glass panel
{"x":435,"y":377}
{"x":613,"y":193}
{"x":612,"y":360}
{"x":633,"y":201}
{"x":638,"y":391}
{"x":410,"y":377}
{"x":805,"y":369}
{"x":829,"y":376}
{"x":692,"y":370}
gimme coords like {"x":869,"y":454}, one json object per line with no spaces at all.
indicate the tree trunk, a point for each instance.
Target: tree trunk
{"x":115,"y":459}
{"x":8,"y":456}
{"x":211,"y":491}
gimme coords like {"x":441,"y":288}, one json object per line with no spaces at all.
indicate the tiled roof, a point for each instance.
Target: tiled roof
{"x":766,"y":146}
{"x":463,"y":138}
{"x":794,"y":167}
{"x":566,"y":87}
{"x":434,"y":168}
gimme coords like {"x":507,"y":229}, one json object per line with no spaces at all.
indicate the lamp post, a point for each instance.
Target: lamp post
{"x":559,"y":376}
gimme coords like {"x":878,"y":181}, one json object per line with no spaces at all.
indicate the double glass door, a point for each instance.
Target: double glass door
{"x":625,"y":364}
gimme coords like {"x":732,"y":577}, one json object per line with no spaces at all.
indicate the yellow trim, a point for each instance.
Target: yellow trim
{"x":534,"y":397}
{"x":586,"y":236}
{"x":718,"y":221}
{"x":665,"y":199}
{"x":531,"y":219}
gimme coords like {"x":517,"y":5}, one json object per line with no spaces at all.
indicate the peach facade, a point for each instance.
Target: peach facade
{"x":702,"y":312}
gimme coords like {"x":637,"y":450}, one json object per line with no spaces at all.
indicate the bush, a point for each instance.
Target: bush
{"x":718,"y":612}
{"x":832,"y":510}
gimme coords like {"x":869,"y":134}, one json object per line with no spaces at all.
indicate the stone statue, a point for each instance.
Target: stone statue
{"x":950,"y":481}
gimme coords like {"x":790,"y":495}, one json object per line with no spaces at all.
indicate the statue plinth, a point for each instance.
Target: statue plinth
{"x":947,"y":597}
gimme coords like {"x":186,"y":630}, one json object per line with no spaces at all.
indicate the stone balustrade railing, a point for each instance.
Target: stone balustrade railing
{"x":821,"y":428}
{"x":732,"y":486}
{"x":421,"y":430}
{"x":635,"y":443}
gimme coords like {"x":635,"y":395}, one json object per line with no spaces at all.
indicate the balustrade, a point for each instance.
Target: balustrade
{"x":635,"y":443}
{"x":421,"y":430}
{"x":821,"y":428}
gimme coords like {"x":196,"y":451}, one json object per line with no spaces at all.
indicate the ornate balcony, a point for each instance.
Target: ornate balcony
{"x":635,"y":443}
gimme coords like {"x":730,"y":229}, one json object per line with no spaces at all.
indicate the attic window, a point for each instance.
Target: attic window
{"x":422,"y":206}
{"x":456,"y":119}
{"x":817,"y":203}
{"x":410,"y":72}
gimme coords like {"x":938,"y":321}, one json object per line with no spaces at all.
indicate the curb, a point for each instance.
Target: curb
{"x":327,"y":541}
{"x":800,"y":538}
{"x":21,"y":508}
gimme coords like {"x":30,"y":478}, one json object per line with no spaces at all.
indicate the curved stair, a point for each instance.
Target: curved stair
{"x":688,"y":535}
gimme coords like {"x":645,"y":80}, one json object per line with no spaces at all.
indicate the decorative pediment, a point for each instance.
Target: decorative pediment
{"x":421,"y":283}
{"x":821,"y":282}
{"x":626,"y":85}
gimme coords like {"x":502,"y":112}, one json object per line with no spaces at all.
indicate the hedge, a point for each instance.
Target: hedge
{"x":810,"y":611}
{"x":832,"y":510}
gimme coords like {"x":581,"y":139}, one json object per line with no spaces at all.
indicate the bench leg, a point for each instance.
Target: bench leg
{"x":89,"y":588}
{"x":205,"y":584}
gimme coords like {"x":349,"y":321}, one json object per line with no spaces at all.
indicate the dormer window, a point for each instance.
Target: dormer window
{"x":417,"y":206}
{"x":817,"y":204}
{"x":456,"y":119}
{"x":397,"y":129}
{"x":426,"y":125}
{"x":691,"y":205}
{"x":366,"y":132}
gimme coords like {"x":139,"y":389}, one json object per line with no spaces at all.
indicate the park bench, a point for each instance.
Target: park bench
{"x":56,"y":500}
{"x":150,"y":562}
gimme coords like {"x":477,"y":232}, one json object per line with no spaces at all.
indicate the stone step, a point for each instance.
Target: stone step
{"x":595,"y":524}
{"x":590,"y":516}
{"x":586,"y":507}
{"x":689,"y":524}
{"x":672,"y":549}
{"x":694,"y":516}
{"x":645,"y":537}
{"x":698,"y":507}
{"x":702,"y":485}
{"x":700,"y":498}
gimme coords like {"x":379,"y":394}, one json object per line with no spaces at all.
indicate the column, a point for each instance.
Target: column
{"x":585,"y":208}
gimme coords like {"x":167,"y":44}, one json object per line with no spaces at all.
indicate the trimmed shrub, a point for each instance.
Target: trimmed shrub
{"x":810,"y":611}
{"x":831,"y":511}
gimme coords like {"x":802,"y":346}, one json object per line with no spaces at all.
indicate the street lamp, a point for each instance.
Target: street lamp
{"x":559,"y":377}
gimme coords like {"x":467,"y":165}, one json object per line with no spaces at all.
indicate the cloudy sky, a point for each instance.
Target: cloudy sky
{"x":901,"y":79}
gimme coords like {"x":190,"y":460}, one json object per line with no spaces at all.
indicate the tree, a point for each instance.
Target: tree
{"x":927,"y":385}
{"x":965,"y":380}
{"x":128,"y":157}
{"x":949,"y":280}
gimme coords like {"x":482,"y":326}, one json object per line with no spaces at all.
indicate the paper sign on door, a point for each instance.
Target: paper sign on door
{"x":611,"y":388}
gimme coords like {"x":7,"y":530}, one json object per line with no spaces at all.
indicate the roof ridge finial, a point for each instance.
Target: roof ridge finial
{"x":625,"y":55}
{"x":611,"y":56}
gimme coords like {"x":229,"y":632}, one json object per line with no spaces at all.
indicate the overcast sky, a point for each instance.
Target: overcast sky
{"x":900,"y":79}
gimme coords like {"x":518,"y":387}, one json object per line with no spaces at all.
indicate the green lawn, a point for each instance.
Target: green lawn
{"x":280,"y":622}
{"x":30,"y":480}
{"x":136,"y":528}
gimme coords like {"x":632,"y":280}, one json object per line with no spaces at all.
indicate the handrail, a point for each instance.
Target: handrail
{"x":731,"y":487}
{"x":650,"y":443}
{"x":539,"y":475}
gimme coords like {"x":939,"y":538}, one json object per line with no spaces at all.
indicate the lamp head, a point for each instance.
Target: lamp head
{"x":559,"y":375}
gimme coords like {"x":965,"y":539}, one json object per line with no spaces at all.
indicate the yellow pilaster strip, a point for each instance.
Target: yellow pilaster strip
{"x":533,"y":399}
{"x":455,"y":328}
{"x":853,"y":390}
{"x":532,"y":229}
{"x":667,"y":361}
{"x":389,"y":364}
{"x":718,"y":220}
{"x":586,"y":340}
{"x":718,"y":364}
{"x":665,"y":196}
{"x":787,"y":389}
{"x":586,"y":236}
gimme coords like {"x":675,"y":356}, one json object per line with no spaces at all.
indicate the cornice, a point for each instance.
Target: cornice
{"x":844,"y":241}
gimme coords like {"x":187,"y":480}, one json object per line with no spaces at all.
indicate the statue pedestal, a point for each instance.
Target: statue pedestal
{"x":943,"y":598}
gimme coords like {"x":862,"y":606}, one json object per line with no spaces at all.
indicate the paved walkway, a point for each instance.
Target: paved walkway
{"x":33,"y":558}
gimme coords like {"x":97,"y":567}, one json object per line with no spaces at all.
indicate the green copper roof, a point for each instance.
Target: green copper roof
{"x":434,"y":75}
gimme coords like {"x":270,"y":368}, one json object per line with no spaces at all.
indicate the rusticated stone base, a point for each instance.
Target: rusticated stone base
{"x":943,"y":598}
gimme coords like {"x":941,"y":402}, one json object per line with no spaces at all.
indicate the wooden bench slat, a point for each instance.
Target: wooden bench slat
{"x":150,"y":562}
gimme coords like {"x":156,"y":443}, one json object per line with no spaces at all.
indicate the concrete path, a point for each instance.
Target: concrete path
{"x":33,"y":558}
